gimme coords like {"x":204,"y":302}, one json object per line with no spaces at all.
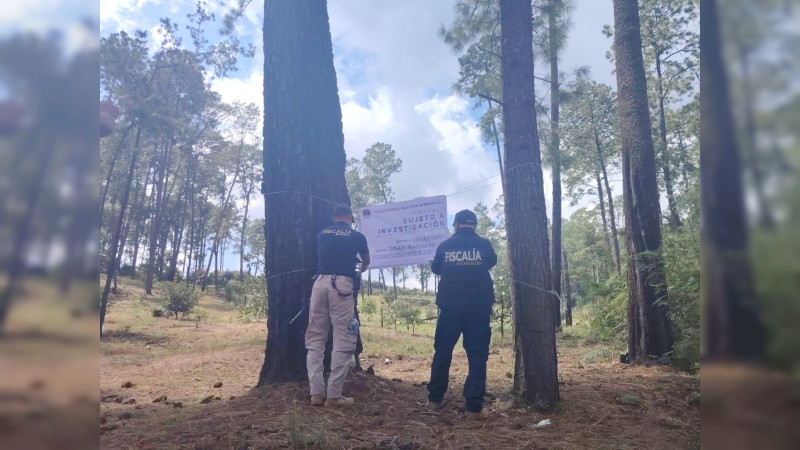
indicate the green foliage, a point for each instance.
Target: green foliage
{"x":234,"y":291}
{"x":198,"y":315}
{"x":589,"y":143}
{"x":368,"y":306}
{"x":408,"y":313}
{"x":380,"y":162}
{"x":254,"y":254}
{"x":179,"y":298}
{"x":254,"y":300}
{"x":390,"y":307}
{"x":682,"y":269}
{"x":609,"y":311}
{"x":776,"y":266}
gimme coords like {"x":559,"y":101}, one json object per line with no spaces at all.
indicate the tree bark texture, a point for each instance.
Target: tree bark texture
{"x":555,"y":153}
{"x":732,"y":327}
{"x":304,"y":159}
{"x":525,"y":208}
{"x":649,"y":324}
{"x":567,"y":290}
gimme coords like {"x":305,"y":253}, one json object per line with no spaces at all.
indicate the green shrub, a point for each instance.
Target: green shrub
{"x":234,"y":291}
{"x":198,"y":315}
{"x":368,"y":307}
{"x":254,"y":300}
{"x":179,"y":298}
{"x":682,"y":270}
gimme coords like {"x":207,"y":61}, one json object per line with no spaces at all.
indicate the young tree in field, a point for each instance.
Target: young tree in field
{"x":380,"y":162}
{"x":590,"y":151}
{"x":304,"y":159}
{"x":378,"y":165}
{"x":526,"y":217}
{"x":732,"y":326}
{"x":649,"y":324}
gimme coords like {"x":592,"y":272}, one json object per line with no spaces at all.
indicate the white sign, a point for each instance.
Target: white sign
{"x":404,"y":233}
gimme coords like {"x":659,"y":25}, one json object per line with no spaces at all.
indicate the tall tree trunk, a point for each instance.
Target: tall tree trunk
{"x":303,"y":152}
{"x":155,"y":221}
{"x":111,"y":170}
{"x":766,"y":220}
{"x":23,"y":227}
{"x":674,"y":218}
{"x":138,"y":232}
{"x":567,"y":290}
{"x":732,"y":325}
{"x":178,"y":235}
{"x":555,"y":154}
{"x":369,"y":281}
{"x":601,"y":199}
{"x":612,"y":217}
{"x":191,"y":231}
{"x":525,"y":208}
{"x":112,"y":266}
{"x":649,"y":324}
{"x":218,"y":230}
{"x":172,"y":223}
{"x":498,"y":148}
{"x":244,"y":231}
{"x":126,"y":231}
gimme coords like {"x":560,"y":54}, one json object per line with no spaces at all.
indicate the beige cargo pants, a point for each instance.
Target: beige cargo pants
{"x":328,"y":309}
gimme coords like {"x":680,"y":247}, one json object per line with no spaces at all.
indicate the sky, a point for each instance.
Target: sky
{"x":395,"y":78}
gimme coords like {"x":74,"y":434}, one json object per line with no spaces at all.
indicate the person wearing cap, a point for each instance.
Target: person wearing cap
{"x":333,"y":305}
{"x":465,"y":299}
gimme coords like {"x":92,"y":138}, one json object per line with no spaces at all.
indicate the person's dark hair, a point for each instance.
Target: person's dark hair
{"x":342,"y":210}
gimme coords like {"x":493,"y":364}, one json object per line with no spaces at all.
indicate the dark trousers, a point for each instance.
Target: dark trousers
{"x":477,"y":333}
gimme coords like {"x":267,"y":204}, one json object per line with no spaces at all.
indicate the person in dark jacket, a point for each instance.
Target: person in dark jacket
{"x":465,"y":299}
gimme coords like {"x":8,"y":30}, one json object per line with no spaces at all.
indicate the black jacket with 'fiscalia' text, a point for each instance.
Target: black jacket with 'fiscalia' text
{"x":463,"y":261}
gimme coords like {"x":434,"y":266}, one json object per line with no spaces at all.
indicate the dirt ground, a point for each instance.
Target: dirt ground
{"x":184,"y":361}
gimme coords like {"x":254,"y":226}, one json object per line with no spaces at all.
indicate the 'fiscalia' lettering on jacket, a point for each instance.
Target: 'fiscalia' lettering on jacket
{"x":462,"y":255}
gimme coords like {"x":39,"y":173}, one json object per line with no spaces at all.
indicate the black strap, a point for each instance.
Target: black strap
{"x":341,"y":294}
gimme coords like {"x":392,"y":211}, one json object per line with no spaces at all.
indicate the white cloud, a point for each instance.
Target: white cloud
{"x":473,"y":171}
{"x":366,"y":123}
{"x":117,"y":15}
{"x":245,"y":90}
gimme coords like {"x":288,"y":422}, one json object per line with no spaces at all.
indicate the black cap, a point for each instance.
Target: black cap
{"x":342,"y":210}
{"x":466,"y":217}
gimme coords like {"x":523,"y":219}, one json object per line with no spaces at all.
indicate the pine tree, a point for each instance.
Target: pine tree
{"x":303,"y":159}
{"x":526,"y":217}
{"x":649,"y":325}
